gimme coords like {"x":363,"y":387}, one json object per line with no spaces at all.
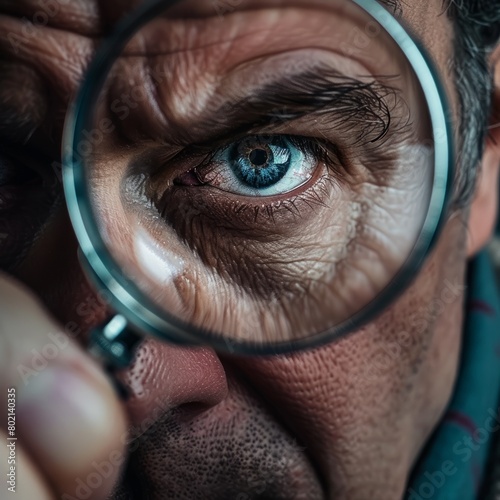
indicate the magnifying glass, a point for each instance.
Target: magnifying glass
{"x":263,"y":198}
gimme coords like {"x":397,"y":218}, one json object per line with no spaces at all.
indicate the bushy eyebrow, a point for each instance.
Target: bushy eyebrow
{"x":364,"y":108}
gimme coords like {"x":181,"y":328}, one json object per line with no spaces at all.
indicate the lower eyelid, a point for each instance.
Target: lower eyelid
{"x":278,"y":215}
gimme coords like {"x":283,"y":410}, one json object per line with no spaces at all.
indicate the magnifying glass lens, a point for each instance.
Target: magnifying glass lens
{"x":263,"y":188}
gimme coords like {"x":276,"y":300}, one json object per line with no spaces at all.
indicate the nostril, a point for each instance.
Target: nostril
{"x":166,"y":378}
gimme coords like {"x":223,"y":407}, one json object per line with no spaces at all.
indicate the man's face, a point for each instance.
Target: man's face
{"x":347,"y":420}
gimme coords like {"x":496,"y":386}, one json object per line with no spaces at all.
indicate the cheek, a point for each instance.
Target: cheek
{"x":374,"y":397}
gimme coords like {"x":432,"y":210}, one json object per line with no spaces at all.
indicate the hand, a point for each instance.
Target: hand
{"x":69,"y":424}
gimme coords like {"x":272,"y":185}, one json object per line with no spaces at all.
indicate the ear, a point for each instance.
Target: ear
{"x":484,"y":206}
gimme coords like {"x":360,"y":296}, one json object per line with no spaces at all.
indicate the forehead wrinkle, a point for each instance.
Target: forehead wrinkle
{"x":188,"y":97}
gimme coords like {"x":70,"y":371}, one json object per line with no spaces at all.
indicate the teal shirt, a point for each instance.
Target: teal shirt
{"x":453,"y":465}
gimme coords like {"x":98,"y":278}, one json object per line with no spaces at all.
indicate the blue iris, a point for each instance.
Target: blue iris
{"x":260,"y":164}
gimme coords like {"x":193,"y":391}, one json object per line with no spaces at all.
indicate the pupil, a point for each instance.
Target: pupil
{"x":258,"y":157}
{"x":257,"y":165}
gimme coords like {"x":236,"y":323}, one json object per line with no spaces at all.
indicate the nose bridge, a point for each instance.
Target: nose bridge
{"x":166,"y":377}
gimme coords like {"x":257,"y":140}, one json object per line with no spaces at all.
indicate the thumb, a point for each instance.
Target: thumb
{"x":68,"y":417}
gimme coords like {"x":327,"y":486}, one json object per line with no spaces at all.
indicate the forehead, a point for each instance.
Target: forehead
{"x":426,"y":20}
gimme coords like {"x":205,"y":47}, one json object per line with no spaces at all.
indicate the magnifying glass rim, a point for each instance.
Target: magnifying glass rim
{"x":127,"y":299}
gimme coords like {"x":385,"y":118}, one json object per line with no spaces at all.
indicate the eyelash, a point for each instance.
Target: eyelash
{"x":325,"y":153}
{"x":321,"y":150}
{"x":312,"y":197}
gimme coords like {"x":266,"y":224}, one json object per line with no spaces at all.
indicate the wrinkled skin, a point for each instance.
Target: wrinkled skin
{"x":345,"y":421}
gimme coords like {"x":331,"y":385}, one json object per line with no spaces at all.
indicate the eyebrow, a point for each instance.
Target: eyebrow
{"x":320,"y":93}
{"x":394,"y":6}
{"x":365,"y":110}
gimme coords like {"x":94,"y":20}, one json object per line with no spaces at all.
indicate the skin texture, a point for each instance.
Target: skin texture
{"x":345,"y":421}
{"x":252,"y":252}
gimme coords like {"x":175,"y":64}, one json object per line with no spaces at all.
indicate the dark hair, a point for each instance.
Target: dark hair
{"x":477,"y":30}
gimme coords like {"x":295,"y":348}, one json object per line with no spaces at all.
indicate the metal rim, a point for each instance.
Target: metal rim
{"x":128,"y":300}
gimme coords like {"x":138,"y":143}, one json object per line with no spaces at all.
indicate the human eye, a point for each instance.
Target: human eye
{"x":244,"y":183}
{"x":261,"y":166}
{"x":292,"y":162}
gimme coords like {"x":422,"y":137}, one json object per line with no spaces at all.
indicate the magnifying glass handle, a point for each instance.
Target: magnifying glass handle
{"x":114,"y":343}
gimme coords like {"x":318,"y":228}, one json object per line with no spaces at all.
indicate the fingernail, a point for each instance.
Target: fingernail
{"x":63,"y":417}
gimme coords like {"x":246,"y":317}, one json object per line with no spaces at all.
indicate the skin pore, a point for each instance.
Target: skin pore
{"x":345,"y":421}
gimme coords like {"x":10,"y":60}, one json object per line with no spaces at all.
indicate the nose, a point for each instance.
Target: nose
{"x":165,"y":377}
